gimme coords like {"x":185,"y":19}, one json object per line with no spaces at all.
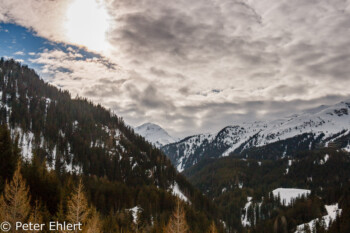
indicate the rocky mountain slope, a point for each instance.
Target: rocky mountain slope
{"x":310,"y":129}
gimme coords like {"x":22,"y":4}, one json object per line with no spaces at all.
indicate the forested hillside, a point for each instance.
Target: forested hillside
{"x":245,"y":191}
{"x":128,"y":182}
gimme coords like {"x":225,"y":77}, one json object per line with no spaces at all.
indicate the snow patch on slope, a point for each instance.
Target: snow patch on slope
{"x":180,"y":165}
{"x":135,"y":211}
{"x":325,"y":159}
{"x":287,"y":195}
{"x":176,"y":191}
{"x":25,"y":143}
{"x":244,"y":219}
{"x":347,"y":148}
{"x":332,"y":212}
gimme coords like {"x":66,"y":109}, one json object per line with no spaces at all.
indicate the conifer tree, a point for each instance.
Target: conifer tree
{"x":36,"y":215}
{"x":77,"y":209}
{"x":94,"y":222}
{"x":8,"y":155}
{"x":212,"y":228}
{"x":60,"y":212}
{"x":177,"y":222}
{"x":15,"y":202}
{"x":280,"y":225}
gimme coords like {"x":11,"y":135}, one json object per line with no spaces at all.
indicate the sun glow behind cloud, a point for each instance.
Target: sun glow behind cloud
{"x":87,"y":24}
{"x":192,"y":67}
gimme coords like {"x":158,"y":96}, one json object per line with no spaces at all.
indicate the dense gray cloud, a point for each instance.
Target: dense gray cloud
{"x":196,"y":66}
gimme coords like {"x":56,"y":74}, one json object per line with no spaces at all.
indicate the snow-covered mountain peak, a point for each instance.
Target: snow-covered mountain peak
{"x":150,"y":127}
{"x":321,"y":125}
{"x":155,"y":134}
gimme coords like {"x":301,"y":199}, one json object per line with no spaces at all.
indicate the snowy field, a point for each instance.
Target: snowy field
{"x":289,"y":194}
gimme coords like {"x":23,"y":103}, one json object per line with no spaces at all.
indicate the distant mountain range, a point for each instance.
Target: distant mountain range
{"x":310,"y":129}
{"x":155,"y":134}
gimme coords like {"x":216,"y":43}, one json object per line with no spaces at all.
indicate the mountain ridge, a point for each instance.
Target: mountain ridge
{"x":319,"y":126}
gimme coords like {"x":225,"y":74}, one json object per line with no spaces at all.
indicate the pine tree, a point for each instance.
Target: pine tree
{"x":177,"y":222}
{"x":280,"y":225}
{"x":212,"y":228}
{"x":60,"y":212}
{"x":36,"y":215}
{"x":8,"y":155}
{"x":94,"y":222}
{"x":15,"y":202}
{"x":77,"y":210}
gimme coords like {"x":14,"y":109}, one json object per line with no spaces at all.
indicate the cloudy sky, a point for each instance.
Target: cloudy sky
{"x":189,"y":66}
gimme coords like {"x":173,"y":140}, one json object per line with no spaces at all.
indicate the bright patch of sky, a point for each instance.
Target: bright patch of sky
{"x":24,"y":46}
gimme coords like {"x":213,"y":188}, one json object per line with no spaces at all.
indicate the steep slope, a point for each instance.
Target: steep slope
{"x":154,"y":134}
{"x":74,"y":136}
{"x":313,"y":128}
{"x":254,"y":193}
